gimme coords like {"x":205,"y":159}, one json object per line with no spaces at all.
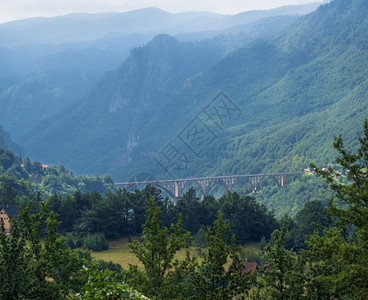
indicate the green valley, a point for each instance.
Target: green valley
{"x":185,"y":102}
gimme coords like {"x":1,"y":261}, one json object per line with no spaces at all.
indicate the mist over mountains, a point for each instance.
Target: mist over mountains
{"x":296,"y":82}
{"x":7,"y":143}
{"x":48,"y":63}
{"x":82,"y":27}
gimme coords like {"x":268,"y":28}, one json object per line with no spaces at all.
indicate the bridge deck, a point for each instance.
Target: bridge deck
{"x":207,"y":178}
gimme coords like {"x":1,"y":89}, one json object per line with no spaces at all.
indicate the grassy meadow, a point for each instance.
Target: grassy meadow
{"x":119,"y":252}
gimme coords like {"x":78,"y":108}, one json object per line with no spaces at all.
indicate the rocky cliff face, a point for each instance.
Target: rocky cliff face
{"x":276,"y":83}
{"x":123,"y":102}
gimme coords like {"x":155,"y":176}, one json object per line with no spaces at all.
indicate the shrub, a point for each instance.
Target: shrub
{"x":74,"y":241}
{"x":95,"y":242}
{"x":109,"y":265}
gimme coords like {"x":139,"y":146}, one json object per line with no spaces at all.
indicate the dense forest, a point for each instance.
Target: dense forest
{"x":20,"y":178}
{"x":257,"y":93}
{"x":326,"y":262}
{"x":294,"y":81}
{"x":294,"y":91}
{"x":88,"y":205}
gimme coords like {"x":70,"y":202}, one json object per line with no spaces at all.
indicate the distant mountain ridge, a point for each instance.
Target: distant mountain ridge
{"x":40,"y":79}
{"x":82,"y":27}
{"x":124,"y":100}
{"x":64,"y":73}
{"x":290,"y":89}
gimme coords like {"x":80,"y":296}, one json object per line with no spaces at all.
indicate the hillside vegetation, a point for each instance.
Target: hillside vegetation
{"x":21,"y":179}
{"x":293,"y":93}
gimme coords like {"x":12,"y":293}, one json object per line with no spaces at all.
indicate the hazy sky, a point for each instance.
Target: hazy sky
{"x":19,"y":9}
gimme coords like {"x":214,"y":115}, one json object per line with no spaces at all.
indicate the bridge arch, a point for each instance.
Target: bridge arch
{"x":175,"y":187}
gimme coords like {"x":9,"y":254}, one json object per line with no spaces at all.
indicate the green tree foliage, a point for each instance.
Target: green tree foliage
{"x":121,"y":213}
{"x":283,"y":277}
{"x":309,"y":219}
{"x":215,"y":281}
{"x":249,"y":220}
{"x":199,"y":240}
{"x":26,"y":177}
{"x":95,"y":242}
{"x":190,"y":207}
{"x":335,"y":266}
{"x":220,"y":275}
{"x":211,"y":206}
{"x":118,"y":213}
{"x":110,"y":265}
{"x":157,"y":251}
{"x":291,"y":198}
{"x":104,"y":285}
{"x":340,"y":259}
{"x":13,"y":263}
{"x":32,"y":269}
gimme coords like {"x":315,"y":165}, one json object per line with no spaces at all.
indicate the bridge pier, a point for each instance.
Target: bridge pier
{"x":175,"y":187}
{"x":229,"y":182}
{"x":179,"y":187}
{"x":280,"y":179}
{"x":255,"y":181}
{"x":204,"y":184}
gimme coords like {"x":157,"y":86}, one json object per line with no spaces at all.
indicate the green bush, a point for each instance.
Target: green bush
{"x":95,"y":242}
{"x":74,"y":241}
{"x":109,"y":265}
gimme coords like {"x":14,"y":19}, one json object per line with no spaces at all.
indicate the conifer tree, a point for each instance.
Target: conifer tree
{"x":156,"y":252}
{"x":339,"y":260}
{"x":283,"y":277}
{"x":213,"y":279}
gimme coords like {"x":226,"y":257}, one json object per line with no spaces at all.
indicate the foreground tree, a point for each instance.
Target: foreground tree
{"x":283,"y":276}
{"x":156,"y":252}
{"x":13,"y":263}
{"x":104,"y":285}
{"x":31,"y":269}
{"x":221,"y":275}
{"x":309,"y":219}
{"x":339,"y":260}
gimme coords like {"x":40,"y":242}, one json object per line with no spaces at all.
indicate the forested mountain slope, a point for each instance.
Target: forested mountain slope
{"x":37,"y":81}
{"x":21,"y":178}
{"x":49,"y":63}
{"x":293,"y":93}
{"x":7,"y":143}
{"x":109,"y":118}
{"x":125,"y":100}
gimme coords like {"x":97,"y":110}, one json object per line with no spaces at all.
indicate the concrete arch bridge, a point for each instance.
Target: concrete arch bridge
{"x":176,"y":187}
